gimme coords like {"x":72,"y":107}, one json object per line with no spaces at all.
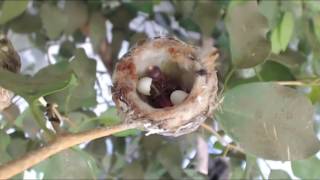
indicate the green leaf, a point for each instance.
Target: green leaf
{"x":194,"y":174}
{"x":275,"y":40}
{"x":83,"y":93}
{"x":53,"y":20}
{"x":4,"y":140}
{"x":292,"y":59}
{"x":287,"y":27}
{"x":314,"y":95}
{"x":81,"y":122}
{"x":17,"y":147}
{"x":47,"y":81}
{"x":271,"y":10}
{"x":269,"y":121}
{"x":316,"y":26}
{"x":154,"y":170}
{"x":11,"y":9}
{"x":26,"y":123}
{"x":170,"y":158}
{"x":133,"y":171}
{"x":281,"y":35}
{"x":97,"y":27}
{"x":26,"y":23}
{"x":68,"y":164}
{"x":273,"y":71}
{"x":206,"y":14}
{"x":111,"y":117}
{"x":278,"y":174}
{"x":76,"y":14}
{"x":307,"y":168}
{"x":247,"y":30}
{"x":252,"y":170}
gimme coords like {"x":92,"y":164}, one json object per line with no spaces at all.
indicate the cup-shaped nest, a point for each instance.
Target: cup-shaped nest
{"x":9,"y":60}
{"x":183,"y":68}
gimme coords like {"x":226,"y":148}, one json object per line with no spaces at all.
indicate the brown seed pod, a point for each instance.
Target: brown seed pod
{"x":10,"y":60}
{"x":181,"y":63}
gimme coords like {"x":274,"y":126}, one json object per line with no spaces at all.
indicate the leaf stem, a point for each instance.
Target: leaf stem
{"x":220,"y":139}
{"x":229,"y":75}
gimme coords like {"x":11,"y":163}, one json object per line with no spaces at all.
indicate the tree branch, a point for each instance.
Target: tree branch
{"x":61,"y":142}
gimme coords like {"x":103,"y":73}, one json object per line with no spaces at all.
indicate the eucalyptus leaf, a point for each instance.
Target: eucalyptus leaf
{"x":269,"y":121}
{"x":247,"y":30}
{"x":133,"y":171}
{"x":307,"y":168}
{"x":292,"y":59}
{"x":77,"y":15}
{"x":4,"y":140}
{"x":68,"y":164}
{"x":281,"y":34}
{"x":11,"y":9}
{"x":110,"y":118}
{"x":170,"y":158}
{"x":97,"y":27}
{"x":47,"y":81}
{"x":206,"y":14}
{"x":279,"y":174}
{"x":83,"y":93}
{"x":287,"y":27}
{"x":271,"y":10}
{"x":53,"y":20}
{"x":26,"y":23}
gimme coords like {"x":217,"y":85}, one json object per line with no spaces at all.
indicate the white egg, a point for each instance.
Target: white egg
{"x":144,"y":85}
{"x":178,"y":96}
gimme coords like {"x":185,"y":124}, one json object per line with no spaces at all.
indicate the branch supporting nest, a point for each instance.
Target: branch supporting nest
{"x":61,"y":142}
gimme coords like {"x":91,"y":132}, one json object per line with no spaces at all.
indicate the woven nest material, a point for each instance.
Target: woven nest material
{"x":9,"y":60}
{"x":193,"y":67}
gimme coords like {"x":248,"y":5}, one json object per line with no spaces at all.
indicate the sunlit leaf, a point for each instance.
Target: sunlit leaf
{"x":248,"y":44}
{"x":287,"y":26}
{"x":11,"y":9}
{"x":281,"y":35}
{"x":269,"y":121}
{"x":307,"y":169}
{"x":314,"y":95}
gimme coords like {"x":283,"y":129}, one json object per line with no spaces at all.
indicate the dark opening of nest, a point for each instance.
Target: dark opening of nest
{"x":166,"y":80}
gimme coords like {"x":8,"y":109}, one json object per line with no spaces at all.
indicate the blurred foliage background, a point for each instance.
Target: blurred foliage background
{"x":68,"y":50}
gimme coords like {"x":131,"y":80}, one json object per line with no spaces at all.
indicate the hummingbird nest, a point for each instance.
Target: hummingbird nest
{"x":167,"y":85}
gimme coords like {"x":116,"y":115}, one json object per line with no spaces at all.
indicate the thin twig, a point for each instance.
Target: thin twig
{"x":315,"y":82}
{"x":61,"y":142}
{"x":220,"y":139}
